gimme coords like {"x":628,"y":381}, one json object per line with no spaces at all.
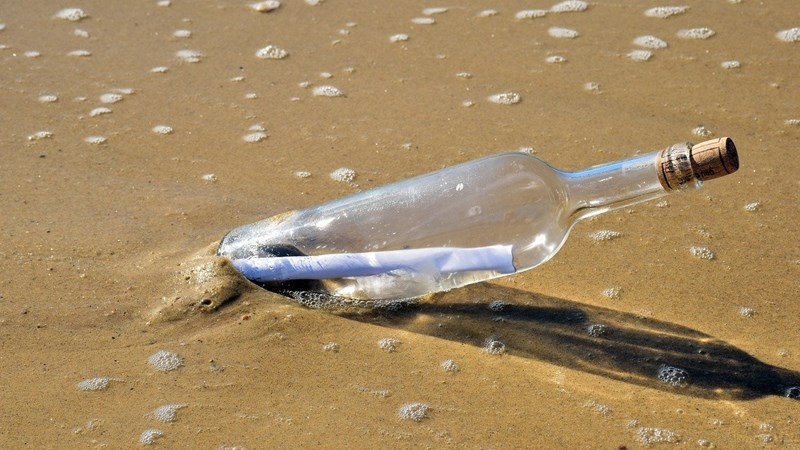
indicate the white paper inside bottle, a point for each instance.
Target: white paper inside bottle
{"x":433,"y":260}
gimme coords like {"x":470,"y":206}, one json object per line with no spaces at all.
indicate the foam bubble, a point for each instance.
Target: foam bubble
{"x":604,"y":235}
{"x":752,"y":206}
{"x":99,"y":111}
{"x":673,"y":376}
{"x":647,"y":436}
{"x":640,"y":55}
{"x":701,"y":131}
{"x":80,"y":33}
{"x":272,"y":52}
{"x":423,"y":20}
{"x":530,"y":14}
{"x":562,"y":33}
{"x":555,"y":59}
{"x":32,"y":54}
{"x":48,"y":98}
{"x":251,"y":96}
{"x":612,"y":292}
{"x":257,"y":136}
{"x":497,"y":305}
{"x":702,"y":252}
{"x":343,"y":174}
{"x":150,"y":436}
{"x":388,"y":344}
{"x":570,"y":6}
{"x":302,"y":174}
{"x":597,"y":329}
{"x":327,"y":91}
{"x":96,"y":140}
{"x":313,"y":2}
{"x":182,"y":34}
{"x":792,"y":392}
{"x":696,"y":33}
{"x":493,"y":346}
{"x":467,"y":103}
{"x":415,"y":411}
{"x":649,"y":41}
{"x":464,"y":75}
{"x":162,"y":129}
{"x":331,"y":347}
{"x":791,"y":122}
{"x":159,"y":69}
{"x":487,"y":13}
{"x":94,"y":384}
{"x":325,"y":75}
{"x":209,"y":178}
{"x":165,"y":361}
{"x":40,"y":135}
{"x":434,"y":10}
{"x":190,"y":56}
{"x":505,"y":98}
{"x":111,"y":97}
{"x":257,"y":127}
{"x":592,"y":86}
{"x":400,"y":37}
{"x":2,"y":26}
{"x":662,"y":12}
{"x":167,"y":413}
{"x":71,"y":14}
{"x":449,"y":365}
{"x":732,"y":64}
{"x":80,"y":53}
{"x":790,"y":35}
{"x":265,"y":6}
{"x":746,"y":311}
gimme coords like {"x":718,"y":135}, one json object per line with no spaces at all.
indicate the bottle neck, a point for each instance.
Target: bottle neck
{"x":617,"y":185}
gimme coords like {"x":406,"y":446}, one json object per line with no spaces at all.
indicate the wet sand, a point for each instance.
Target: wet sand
{"x":107,"y":248}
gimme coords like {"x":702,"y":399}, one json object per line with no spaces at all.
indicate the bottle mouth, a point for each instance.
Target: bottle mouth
{"x":682,"y":165}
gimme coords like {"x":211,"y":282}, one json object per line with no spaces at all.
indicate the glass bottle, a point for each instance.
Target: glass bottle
{"x":467,"y":223}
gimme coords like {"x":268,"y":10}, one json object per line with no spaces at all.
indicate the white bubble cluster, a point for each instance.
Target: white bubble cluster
{"x":746,"y":311}
{"x":449,"y":365}
{"x":790,"y":35}
{"x":597,"y":329}
{"x":209,"y":177}
{"x":265,"y":6}
{"x":399,"y":37}
{"x":640,"y":55}
{"x":167,"y":413}
{"x":696,"y":33}
{"x":71,"y":14}
{"x":159,"y":69}
{"x":162,"y":129}
{"x":256,"y":136}
{"x":343,"y":174}
{"x":96,"y":140}
{"x":647,"y":436}
{"x":80,"y":53}
{"x":331,"y":347}
{"x":80,"y":33}
{"x":434,"y":10}
{"x":150,"y":436}
{"x":302,"y":174}
{"x":487,"y":13}
{"x":327,"y":91}
{"x":388,"y":344}
{"x":165,"y":361}
{"x":530,"y":14}
{"x":48,"y":98}
{"x":182,"y":34}
{"x":497,"y":305}
{"x":40,"y":135}
{"x":99,"y":111}
{"x":94,"y":384}
{"x":562,"y":33}
{"x":791,"y":122}
{"x":415,"y":411}
{"x":189,"y":56}
{"x":649,"y":41}
{"x":111,"y":97}
{"x":701,"y":131}
{"x":32,"y":54}
{"x":662,"y":12}
{"x":423,"y":20}
{"x":505,"y":98}
{"x":570,"y":6}
{"x":592,"y":86}
{"x":732,"y":64}
{"x":555,"y":59}
{"x":604,"y":235}
{"x":752,"y":206}
{"x":272,"y":52}
{"x":673,"y":376}
{"x":493,"y":346}
{"x":702,"y":252}
{"x":612,"y":292}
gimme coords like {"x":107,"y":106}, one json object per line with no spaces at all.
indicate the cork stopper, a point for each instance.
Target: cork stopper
{"x":681,"y":165}
{"x":714,"y":158}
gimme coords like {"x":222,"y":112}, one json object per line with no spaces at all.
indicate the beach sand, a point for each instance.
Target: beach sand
{"x":107,"y":248}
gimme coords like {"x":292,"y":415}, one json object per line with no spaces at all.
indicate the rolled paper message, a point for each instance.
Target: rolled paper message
{"x":496,"y":258}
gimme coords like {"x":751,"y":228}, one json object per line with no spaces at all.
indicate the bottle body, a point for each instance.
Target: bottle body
{"x":512,"y":200}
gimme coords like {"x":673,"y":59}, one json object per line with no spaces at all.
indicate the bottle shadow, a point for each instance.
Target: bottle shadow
{"x":600,"y":341}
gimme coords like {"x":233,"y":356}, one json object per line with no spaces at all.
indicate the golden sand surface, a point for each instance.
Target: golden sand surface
{"x":107,"y":248}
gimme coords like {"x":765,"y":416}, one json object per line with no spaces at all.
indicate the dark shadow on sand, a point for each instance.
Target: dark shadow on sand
{"x":601,"y":341}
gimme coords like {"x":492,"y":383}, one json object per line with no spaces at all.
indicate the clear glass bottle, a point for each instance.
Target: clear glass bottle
{"x":460,"y":225}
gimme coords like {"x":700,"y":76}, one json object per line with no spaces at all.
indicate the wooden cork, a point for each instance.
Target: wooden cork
{"x":681,"y":164}
{"x":714,"y":158}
